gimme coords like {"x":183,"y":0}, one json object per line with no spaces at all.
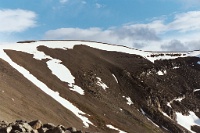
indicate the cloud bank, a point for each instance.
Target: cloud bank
{"x":16,"y":20}
{"x":181,"y":33}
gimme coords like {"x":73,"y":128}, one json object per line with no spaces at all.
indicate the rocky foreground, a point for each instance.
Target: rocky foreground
{"x":20,"y":126}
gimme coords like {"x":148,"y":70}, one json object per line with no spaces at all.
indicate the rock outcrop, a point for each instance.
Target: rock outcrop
{"x":20,"y":126}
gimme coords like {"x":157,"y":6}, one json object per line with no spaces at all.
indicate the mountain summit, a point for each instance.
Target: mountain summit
{"x":98,"y":87}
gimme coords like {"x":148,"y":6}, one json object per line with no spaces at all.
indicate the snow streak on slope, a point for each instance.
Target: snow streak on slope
{"x":112,"y":127}
{"x":176,"y":67}
{"x":142,"y":111}
{"x":175,"y":99}
{"x":196,"y":90}
{"x":115,"y":78}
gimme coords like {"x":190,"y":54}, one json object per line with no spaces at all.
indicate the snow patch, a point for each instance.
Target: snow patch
{"x":169,"y":104}
{"x":129,"y":101}
{"x":161,"y":73}
{"x":115,"y":78}
{"x":64,"y":74}
{"x":176,"y":67}
{"x":165,"y":72}
{"x":180,"y":98}
{"x":198,"y":62}
{"x":196,"y":90}
{"x":39,"y":55}
{"x":60,"y":71}
{"x":187,"y":121}
{"x":101,"y":84}
{"x":114,"y":128}
{"x":175,"y":99}
{"x":77,"y":89}
{"x":13,"y":99}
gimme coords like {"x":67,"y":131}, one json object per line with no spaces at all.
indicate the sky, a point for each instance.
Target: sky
{"x":169,"y":25}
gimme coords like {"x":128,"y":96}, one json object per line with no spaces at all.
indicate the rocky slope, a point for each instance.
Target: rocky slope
{"x":98,"y":87}
{"x":20,"y":126}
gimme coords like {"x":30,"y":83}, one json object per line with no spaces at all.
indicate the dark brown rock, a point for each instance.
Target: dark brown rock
{"x":35,"y":124}
{"x":72,"y":129}
{"x":49,"y":126}
{"x":196,"y":128}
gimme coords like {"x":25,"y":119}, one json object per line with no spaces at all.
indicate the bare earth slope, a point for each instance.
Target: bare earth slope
{"x":99,"y":87}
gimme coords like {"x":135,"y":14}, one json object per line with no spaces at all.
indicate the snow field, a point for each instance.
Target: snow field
{"x":188,"y":121}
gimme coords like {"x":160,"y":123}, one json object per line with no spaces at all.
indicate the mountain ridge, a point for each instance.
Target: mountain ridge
{"x":122,"y":88}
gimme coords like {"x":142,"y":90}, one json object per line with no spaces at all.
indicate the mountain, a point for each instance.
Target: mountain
{"x":98,"y":87}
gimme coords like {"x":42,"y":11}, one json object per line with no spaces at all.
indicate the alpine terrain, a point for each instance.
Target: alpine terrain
{"x":97,"y":88}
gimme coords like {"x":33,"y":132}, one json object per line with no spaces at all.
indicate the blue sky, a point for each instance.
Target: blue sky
{"x":143,"y":24}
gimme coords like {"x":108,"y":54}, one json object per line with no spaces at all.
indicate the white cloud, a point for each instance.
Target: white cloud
{"x":186,"y":22}
{"x":16,"y":20}
{"x":183,"y":22}
{"x":98,"y":5}
{"x":179,"y":34}
{"x":124,"y":35}
{"x":174,"y":45}
{"x":83,"y":2}
{"x":63,"y":1}
{"x":189,"y":3}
